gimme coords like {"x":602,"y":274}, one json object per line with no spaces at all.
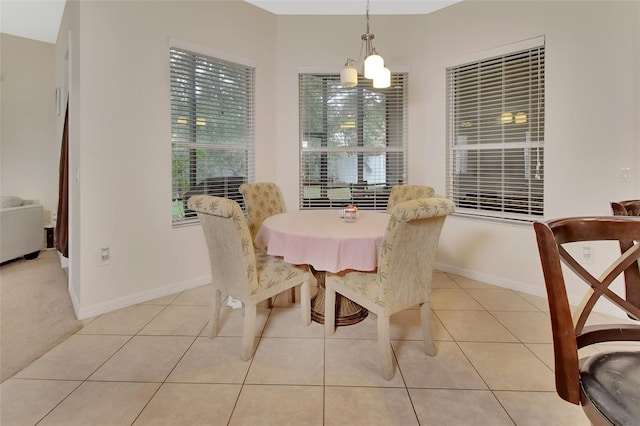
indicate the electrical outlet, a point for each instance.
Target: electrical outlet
{"x":587,"y":255}
{"x":625,"y":174}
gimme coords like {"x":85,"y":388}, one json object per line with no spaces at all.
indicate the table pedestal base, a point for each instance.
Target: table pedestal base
{"x":347,"y":312}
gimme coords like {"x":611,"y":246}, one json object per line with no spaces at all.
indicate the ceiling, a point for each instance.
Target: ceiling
{"x":40,"y":19}
{"x":351,"y":7}
{"x":34,"y":19}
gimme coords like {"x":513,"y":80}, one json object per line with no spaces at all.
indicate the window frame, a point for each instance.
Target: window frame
{"x":511,"y":187}
{"x":366,"y":196}
{"x":223,"y":186}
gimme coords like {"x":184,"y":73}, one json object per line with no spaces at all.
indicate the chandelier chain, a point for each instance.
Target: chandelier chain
{"x":367,"y":16}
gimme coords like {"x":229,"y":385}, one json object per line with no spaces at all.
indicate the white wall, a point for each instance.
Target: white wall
{"x":591,"y":121}
{"x":29,"y":148}
{"x":121,"y":141}
{"x":122,"y":134}
{"x":592,"y":110}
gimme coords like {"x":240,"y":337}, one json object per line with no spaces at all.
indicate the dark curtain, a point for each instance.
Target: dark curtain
{"x":62,"y":222}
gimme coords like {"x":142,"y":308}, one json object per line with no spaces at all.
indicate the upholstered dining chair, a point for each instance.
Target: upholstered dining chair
{"x":607,"y":383}
{"x":241,"y":271}
{"x":263,"y":200}
{"x":400,"y":193}
{"x":403,"y":277}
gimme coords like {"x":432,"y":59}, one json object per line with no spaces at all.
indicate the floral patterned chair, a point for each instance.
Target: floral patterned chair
{"x":262,"y":200}
{"x":400,"y":193}
{"x":404,"y":274}
{"x":239,"y":270}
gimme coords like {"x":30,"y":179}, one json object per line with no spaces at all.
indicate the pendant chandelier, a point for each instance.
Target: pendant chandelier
{"x":374,"y":68}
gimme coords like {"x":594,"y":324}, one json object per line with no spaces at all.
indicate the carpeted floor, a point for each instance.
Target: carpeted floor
{"x":35,"y":311}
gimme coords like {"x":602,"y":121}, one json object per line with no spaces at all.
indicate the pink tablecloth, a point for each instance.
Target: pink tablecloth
{"x":321,"y":239}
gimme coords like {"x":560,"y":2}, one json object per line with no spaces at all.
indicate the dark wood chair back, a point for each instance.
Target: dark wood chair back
{"x":626,"y":208}
{"x":631,"y":277}
{"x":571,"y":332}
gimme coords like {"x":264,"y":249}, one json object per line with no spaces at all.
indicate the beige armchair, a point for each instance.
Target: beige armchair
{"x":241,"y":271}
{"x":263,"y":200}
{"x":400,"y":193}
{"x":403,"y":278}
{"x":21,"y":228}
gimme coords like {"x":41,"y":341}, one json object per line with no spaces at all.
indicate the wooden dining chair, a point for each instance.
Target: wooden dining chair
{"x":403,"y":277}
{"x":631,"y":277}
{"x":400,"y":193}
{"x":263,"y":200}
{"x":626,"y":208}
{"x":606,"y":384}
{"x":239,"y":270}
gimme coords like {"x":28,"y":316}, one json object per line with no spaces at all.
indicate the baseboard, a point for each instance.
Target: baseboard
{"x":602,"y":306}
{"x":64,"y":261}
{"x":495,"y":280}
{"x":134,"y":299}
{"x":74,"y":300}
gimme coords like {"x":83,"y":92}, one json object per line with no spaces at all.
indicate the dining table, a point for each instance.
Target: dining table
{"x":326,"y":242}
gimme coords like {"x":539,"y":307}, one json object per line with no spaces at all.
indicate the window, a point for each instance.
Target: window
{"x":352,"y":141}
{"x":212,"y":129}
{"x":495,"y":134}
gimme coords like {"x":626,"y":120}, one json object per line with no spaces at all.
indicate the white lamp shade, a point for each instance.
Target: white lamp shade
{"x":373,"y":65}
{"x":349,"y":76}
{"x":383,"y":79}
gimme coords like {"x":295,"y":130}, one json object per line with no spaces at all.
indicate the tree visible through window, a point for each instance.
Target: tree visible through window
{"x":212,"y":128}
{"x":352,"y":141}
{"x":495,"y":125}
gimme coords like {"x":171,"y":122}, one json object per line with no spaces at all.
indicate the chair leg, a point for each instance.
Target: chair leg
{"x":248,"y":332}
{"x":329,"y":311}
{"x":215,"y":313}
{"x":292,"y":295}
{"x":427,"y":329}
{"x":384,"y":346}
{"x":305,"y":302}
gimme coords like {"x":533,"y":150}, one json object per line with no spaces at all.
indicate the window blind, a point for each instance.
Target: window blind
{"x":353,"y":141}
{"x":212,"y":129}
{"x":495,"y":135}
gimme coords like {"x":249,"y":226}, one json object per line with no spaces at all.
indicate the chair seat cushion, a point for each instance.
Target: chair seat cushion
{"x":273,"y":271}
{"x":611,"y":382}
{"x":364,"y":284}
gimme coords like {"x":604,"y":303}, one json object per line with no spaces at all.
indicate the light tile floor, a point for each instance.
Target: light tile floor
{"x":152,"y":364}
